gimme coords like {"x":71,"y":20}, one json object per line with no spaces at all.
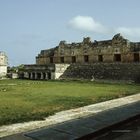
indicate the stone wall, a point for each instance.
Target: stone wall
{"x":107,"y":71}
{"x":60,"y":69}
{"x":43,"y":72}
{"x":37,"y":72}
{"x":116,"y":49}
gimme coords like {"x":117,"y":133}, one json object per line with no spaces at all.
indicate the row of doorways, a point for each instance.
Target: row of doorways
{"x":117,"y":58}
{"x":136,"y":57}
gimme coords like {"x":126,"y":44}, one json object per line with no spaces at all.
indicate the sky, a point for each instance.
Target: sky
{"x":29,"y":26}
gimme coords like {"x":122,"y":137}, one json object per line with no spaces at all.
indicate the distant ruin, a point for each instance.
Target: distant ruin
{"x":100,"y":59}
{"x":116,"y":50}
{"x":3,"y":64}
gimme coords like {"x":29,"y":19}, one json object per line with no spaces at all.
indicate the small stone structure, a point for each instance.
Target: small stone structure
{"x":3,"y":64}
{"x":117,"y":58}
{"x":43,"y":72}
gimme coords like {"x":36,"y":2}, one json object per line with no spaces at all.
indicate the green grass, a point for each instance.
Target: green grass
{"x":22,"y":100}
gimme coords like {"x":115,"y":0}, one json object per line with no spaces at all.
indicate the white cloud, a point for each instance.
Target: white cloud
{"x":88,"y":24}
{"x":133,"y":33}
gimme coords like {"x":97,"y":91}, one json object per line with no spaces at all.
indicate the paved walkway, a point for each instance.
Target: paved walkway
{"x":76,"y":123}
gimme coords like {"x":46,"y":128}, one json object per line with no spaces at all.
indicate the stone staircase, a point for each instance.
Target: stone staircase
{"x":108,"y":71}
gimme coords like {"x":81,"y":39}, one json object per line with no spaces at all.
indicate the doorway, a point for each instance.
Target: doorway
{"x":117,"y":57}
{"x":100,"y":58}
{"x":73,"y":59}
{"x":136,"y":57}
{"x":86,"y":59}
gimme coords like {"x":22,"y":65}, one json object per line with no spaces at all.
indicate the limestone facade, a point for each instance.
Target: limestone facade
{"x":3,"y":64}
{"x":43,"y":72}
{"x":118,"y":49}
{"x":87,"y":59}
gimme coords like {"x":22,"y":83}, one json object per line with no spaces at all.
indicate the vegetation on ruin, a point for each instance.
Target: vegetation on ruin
{"x":22,"y":100}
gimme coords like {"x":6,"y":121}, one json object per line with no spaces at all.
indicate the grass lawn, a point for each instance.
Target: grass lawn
{"x":25,"y":100}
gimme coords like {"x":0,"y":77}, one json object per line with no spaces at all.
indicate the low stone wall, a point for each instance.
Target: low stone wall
{"x":108,"y":71}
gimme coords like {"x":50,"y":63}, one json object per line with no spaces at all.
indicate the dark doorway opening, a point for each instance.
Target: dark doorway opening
{"x":49,"y":75}
{"x":136,"y":57}
{"x":117,"y":57}
{"x":29,"y":75}
{"x":86,"y":59}
{"x":51,"y":59}
{"x":44,"y":75}
{"x":33,"y":75}
{"x":62,"y":59}
{"x":100,"y":58}
{"x":73,"y":59}
{"x":38,"y":75}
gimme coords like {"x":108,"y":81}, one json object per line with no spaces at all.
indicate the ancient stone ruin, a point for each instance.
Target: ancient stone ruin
{"x":116,"y":50}
{"x":105,"y":59}
{"x":3,"y":64}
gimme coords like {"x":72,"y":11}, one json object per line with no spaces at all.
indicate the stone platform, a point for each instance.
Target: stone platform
{"x":85,"y":121}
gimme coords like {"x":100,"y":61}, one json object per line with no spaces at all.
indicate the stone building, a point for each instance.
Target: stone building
{"x":43,"y":72}
{"x":3,"y":64}
{"x":118,"y":49}
{"x":53,"y":63}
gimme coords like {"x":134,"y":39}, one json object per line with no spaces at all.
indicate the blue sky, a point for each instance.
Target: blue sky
{"x":28,"y":26}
